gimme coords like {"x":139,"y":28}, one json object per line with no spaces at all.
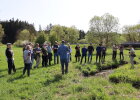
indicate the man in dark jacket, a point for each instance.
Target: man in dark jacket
{"x":98,"y":53}
{"x":84,"y":54}
{"x":90,"y":52}
{"x":63,"y":51}
{"x":10,"y":59}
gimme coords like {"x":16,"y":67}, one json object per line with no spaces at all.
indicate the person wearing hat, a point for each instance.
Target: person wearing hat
{"x":10,"y":58}
{"x":63,"y":53}
{"x":55,"y":48}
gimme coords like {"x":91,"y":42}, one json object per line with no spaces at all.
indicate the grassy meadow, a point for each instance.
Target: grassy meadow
{"x":48,"y":83}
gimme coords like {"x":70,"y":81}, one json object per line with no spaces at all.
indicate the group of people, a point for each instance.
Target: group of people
{"x":101,"y":53}
{"x":33,"y":53}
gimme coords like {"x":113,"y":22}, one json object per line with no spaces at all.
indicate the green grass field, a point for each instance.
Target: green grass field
{"x":48,"y":83}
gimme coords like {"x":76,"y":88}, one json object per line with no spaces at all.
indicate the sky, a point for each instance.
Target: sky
{"x":69,"y":12}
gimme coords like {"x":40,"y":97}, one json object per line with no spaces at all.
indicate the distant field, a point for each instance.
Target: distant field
{"x":48,"y":83}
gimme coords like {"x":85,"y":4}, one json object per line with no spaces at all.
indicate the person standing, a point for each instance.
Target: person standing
{"x":132,"y":55}
{"x":37,"y":55}
{"x":55,"y":48}
{"x":77,"y":54}
{"x":121,"y":48}
{"x":114,"y":52}
{"x":49,"y":49}
{"x":103,"y":52}
{"x":10,"y":58}
{"x":90,"y":52}
{"x":63,"y":52}
{"x":27,"y":60}
{"x":98,"y":53}
{"x":44,"y":56}
{"x":32,"y":53}
{"x":84,"y":54}
{"x":69,"y":53}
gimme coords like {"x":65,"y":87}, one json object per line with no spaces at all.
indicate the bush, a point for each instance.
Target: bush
{"x":41,"y":39}
{"x":20,"y":43}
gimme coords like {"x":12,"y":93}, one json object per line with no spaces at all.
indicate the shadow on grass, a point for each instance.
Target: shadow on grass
{"x":7,"y":69}
{"x":16,"y":78}
{"x":56,"y":78}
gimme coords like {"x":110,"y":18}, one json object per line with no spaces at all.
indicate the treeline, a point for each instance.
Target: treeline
{"x":103,"y":29}
{"x":17,"y":31}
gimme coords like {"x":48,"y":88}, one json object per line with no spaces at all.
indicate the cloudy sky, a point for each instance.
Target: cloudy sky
{"x":69,"y":12}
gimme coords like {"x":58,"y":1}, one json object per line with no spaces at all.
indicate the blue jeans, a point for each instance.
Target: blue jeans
{"x":56,"y":57}
{"x":64,"y":65}
{"x":27,"y":67}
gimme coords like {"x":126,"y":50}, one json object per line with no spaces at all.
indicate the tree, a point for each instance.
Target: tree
{"x":24,"y":35}
{"x":13,"y":27}
{"x":132,"y":33}
{"x":1,"y":32}
{"x":102,"y":28}
{"x":41,"y":38}
{"x":58,"y":32}
{"x":72,"y":35}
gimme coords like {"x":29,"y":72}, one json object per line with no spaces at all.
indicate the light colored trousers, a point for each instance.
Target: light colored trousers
{"x":132,"y":61}
{"x":38,"y":61}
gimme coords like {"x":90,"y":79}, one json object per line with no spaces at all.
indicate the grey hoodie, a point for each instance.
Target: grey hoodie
{"x":27,"y":57}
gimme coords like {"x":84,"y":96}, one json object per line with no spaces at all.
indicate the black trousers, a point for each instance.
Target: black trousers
{"x":98,"y":55}
{"x":44,"y":61}
{"x":49,"y":58}
{"x":11,"y":66}
{"x":114,"y":55}
{"x":82,"y":58}
{"x":64,"y":66}
{"x":27,"y":67}
{"x":103,"y":55}
{"x":77,"y":59}
{"x":121,"y":56}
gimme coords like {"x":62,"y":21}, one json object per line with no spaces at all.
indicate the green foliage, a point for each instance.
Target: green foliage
{"x":49,"y":84}
{"x":103,"y":29}
{"x":41,"y":38}
{"x":1,"y":32}
{"x":24,"y":35}
{"x":69,"y":34}
{"x":132,"y":33}
{"x":12,"y":29}
{"x":127,"y":76}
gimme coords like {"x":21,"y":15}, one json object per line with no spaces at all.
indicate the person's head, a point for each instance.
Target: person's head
{"x":9,"y":45}
{"x":77,"y":44}
{"x":49,"y":44}
{"x":44,"y":45}
{"x":56,"y":42}
{"x":28,"y":47}
{"x":68,"y":44}
{"x":100,"y":45}
{"x":84,"y":46}
{"x":63,"y":42}
{"x":90,"y":44}
{"x":37,"y":45}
